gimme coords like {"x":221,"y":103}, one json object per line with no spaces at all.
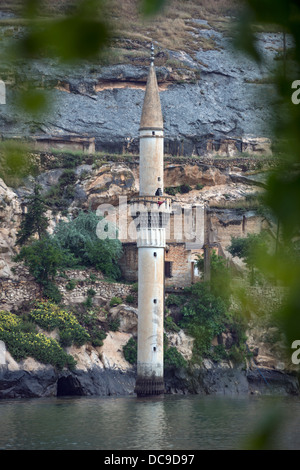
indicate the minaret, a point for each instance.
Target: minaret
{"x":153,"y":208}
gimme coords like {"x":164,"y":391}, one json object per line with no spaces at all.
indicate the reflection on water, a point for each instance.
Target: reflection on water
{"x":161,"y":423}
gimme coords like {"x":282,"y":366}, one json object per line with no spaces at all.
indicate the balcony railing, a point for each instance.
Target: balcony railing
{"x":150,"y":204}
{"x":154,"y":237}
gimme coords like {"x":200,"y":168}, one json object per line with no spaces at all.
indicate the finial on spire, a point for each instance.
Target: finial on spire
{"x":152,"y":54}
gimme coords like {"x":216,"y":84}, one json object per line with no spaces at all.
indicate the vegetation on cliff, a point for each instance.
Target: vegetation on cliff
{"x":23,"y":340}
{"x":74,"y":243}
{"x":206,"y":313}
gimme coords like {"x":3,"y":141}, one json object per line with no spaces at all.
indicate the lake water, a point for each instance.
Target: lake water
{"x":169,"y":422}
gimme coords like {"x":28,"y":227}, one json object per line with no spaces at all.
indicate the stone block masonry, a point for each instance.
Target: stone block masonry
{"x":14,"y":293}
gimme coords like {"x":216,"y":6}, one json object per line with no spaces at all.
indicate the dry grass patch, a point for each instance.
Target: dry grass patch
{"x":173,"y":27}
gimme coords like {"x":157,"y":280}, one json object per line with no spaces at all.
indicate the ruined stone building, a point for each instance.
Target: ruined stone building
{"x":198,"y":226}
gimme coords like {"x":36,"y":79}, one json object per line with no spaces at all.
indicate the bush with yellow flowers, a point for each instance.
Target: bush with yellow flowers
{"x":23,"y":344}
{"x":49,"y":316}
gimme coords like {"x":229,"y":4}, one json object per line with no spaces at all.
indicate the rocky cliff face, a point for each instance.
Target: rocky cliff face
{"x":215,"y":101}
{"x":10,"y":216}
{"x":103,"y":370}
{"x":104,"y":182}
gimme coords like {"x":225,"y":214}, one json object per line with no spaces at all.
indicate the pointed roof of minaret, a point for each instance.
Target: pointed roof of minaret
{"x":151,"y":114}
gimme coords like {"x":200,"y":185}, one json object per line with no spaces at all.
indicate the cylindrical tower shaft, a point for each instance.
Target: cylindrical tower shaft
{"x":152,"y":163}
{"x":151,"y":245}
{"x":151,"y":321}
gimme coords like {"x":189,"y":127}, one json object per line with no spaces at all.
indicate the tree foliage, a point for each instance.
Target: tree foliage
{"x":203,"y":318}
{"x":34,"y":221}
{"x":283,"y":187}
{"x":79,"y":237}
{"x":73,"y":244}
{"x":219,"y":275}
{"x":250,"y":249}
{"x":44,"y":258}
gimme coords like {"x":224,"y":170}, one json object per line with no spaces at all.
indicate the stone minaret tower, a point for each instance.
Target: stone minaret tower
{"x":152,"y":209}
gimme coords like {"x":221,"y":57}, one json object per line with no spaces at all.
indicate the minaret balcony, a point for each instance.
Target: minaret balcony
{"x":152,"y":204}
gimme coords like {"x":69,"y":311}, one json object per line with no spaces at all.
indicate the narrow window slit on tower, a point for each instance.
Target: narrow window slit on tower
{"x":155,"y":301}
{"x":153,"y":132}
{"x":154,"y":348}
{"x":155,"y":254}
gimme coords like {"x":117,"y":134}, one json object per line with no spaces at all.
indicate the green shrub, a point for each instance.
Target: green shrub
{"x":171,"y":190}
{"x":219,"y":276}
{"x":130,"y":351}
{"x":49,"y":316}
{"x":52,"y":292}
{"x":34,"y":221}
{"x":23,"y":344}
{"x":114,"y":325}
{"x":27,"y":326}
{"x":91,"y":292}
{"x":173,"y":358}
{"x":199,"y":186}
{"x":174,"y":299}
{"x":115,"y":301}
{"x":88,"y":318}
{"x":72,"y":160}
{"x":97,"y":336}
{"x":44,"y":258}
{"x":170,"y":325}
{"x":130,"y":299}
{"x":88,"y":303}
{"x":204,"y":318}
{"x":251,"y":250}
{"x":65,"y":337}
{"x":219,"y":353}
{"x":60,"y":196}
{"x":135,"y":287}
{"x":93,"y":278}
{"x":182,"y":189}
{"x":71,"y":284}
{"x":185,"y":188}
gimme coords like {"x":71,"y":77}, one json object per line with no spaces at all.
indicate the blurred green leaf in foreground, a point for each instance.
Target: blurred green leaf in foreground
{"x":283,"y":191}
{"x":82,"y":30}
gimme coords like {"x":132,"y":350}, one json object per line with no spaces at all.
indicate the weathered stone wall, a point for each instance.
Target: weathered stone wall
{"x":267,"y":298}
{"x":129,"y":262}
{"x":225,"y":224}
{"x":181,"y":265}
{"x":104,"y":291}
{"x":182,"y":261}
{"x":14,"y":293}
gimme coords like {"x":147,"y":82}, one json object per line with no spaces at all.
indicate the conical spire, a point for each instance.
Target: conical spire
{"x":151,"y":114}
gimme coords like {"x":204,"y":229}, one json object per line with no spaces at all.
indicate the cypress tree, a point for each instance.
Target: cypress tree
{"x":34,"y":220}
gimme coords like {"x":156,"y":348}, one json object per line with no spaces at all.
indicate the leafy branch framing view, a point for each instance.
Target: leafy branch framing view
{"x":80,"y":33}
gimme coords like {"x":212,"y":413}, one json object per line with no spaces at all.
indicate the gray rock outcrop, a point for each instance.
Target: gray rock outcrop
{"x":229,"y":100}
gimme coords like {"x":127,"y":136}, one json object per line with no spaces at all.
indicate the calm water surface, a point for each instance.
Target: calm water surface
{"x":164,"y":423}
